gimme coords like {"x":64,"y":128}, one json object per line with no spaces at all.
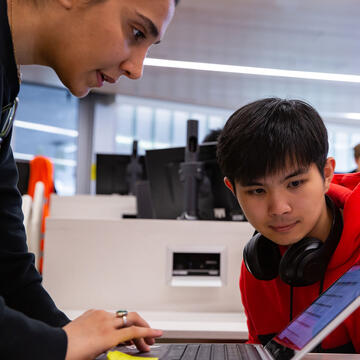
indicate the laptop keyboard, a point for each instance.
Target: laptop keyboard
{"x":212,"y":352}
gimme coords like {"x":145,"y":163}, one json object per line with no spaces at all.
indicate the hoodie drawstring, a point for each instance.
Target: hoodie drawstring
{"x":292,"y":295}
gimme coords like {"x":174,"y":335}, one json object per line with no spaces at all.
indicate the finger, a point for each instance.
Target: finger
{"x":135,"y":332}
{"x":119,"y":323}
{"x":134,"y":318}
{"x":141,"y":345}
{"x":149,"y":341}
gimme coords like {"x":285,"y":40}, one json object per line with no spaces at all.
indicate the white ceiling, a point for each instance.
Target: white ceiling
{"x":308,"y":35}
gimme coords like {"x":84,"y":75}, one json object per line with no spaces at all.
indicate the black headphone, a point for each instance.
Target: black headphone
{"x":304,"y":263}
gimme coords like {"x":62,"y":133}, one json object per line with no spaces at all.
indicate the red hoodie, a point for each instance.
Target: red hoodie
{"x":267,"y":303}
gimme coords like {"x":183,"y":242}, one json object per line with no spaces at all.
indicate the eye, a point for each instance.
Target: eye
{"x":295,"y":184}
{"x":138,"y":35}
{"x":258,"y":191}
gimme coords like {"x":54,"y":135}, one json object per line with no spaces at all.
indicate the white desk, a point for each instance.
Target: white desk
{"x":92,"y":206}
{"x":192,"y":325}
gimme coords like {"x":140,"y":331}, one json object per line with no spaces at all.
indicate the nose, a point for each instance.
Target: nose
{"x":278,"y":204}
{"x":133,"y":66}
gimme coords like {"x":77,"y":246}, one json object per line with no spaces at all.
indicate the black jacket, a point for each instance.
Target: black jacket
{"x":30,"y":323}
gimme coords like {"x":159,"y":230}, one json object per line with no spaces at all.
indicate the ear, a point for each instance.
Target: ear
{"x":329,"y":169}
{"x":357,"y":160}
{"x":229,"y":185}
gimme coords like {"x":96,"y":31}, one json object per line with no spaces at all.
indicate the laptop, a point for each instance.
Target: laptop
{"x":302,"y":334}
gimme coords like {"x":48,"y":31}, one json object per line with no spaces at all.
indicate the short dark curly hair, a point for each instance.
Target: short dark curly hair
{"x":262,"y":137}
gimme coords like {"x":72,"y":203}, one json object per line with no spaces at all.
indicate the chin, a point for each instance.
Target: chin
{"x":77,"y":90}
{"x":284,"y":239}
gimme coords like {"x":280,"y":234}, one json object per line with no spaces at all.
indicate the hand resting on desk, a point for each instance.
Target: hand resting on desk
{"x":96,"y":331}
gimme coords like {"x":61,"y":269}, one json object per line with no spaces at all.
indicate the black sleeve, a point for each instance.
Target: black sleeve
{"x":24,"y":338}
{"x":21,"y":291}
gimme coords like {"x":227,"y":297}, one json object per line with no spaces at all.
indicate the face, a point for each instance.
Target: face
{"x":287,"y":206}
{"x":101,"y":41}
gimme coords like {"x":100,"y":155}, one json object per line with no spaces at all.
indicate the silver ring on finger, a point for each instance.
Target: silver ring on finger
{"x":124,"y":318}
{"x":121,"y":313}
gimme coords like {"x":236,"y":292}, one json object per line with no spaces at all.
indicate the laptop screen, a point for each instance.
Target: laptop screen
{"x":322,"y":311}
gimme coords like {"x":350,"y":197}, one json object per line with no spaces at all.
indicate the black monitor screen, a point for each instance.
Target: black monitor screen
{"x":167,"y":190}
{"x":113,"y":173}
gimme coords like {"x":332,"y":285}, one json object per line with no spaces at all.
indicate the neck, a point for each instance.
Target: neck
{"x":24,"y":20}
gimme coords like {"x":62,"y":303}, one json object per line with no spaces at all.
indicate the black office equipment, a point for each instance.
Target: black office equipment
{"x":143,"y":200}
{"x":23,"y":167}
{"x":135,"y":169}
{"x":116,"y":173}
{"x":191,"y":173}
{"x":196,"y":264}
{"x":215,"y":201}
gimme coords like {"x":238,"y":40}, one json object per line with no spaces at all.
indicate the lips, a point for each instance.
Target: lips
{"x":101,"y":77}
{"x":283,"y":227}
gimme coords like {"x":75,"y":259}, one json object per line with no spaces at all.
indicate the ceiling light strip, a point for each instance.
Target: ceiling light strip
{"x":128,"y":140}
{"x":45,"y":128}
{"x":247,"y":70}
{"x":349,"y":116}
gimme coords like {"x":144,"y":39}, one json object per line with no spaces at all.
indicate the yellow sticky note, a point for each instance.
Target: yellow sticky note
{"x":118,"y":355}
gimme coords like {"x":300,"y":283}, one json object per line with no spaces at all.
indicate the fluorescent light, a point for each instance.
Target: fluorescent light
{"x":248,"y":70}
{"x":127,"y":140}
{"x":22,"y":156}
{"x":143,"y":144}
{"x":64,"y":162}
{"x":45,"y":128}
{"x":124,"y":140}
{"x":350,"y":116}
{"x":68,"y":149}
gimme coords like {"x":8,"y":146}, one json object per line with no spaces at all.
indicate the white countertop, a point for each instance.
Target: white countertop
{"x":192,"y":325}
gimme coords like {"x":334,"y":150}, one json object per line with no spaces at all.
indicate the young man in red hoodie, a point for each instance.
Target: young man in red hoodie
{"x":273,"y":154}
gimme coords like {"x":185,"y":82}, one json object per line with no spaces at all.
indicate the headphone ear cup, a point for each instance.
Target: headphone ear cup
{"x":262,"y":258}
{"x":303,"y":264}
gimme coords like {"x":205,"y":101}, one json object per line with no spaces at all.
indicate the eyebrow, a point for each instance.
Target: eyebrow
{"x":151,"y":27}
{"x":296,"y":173}
{"x":287,"y":177}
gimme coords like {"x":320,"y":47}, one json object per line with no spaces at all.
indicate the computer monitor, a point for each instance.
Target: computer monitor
{"x":215,"y":201}
{"x":23,"y":167}
{"x":116,"y":173}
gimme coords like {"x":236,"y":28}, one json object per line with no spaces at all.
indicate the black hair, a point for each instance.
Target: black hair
{"x":267,"y":135}
{"x":213,"y":135}
{"x":357,"y":151}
